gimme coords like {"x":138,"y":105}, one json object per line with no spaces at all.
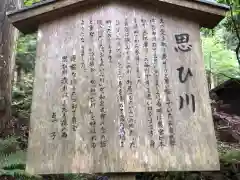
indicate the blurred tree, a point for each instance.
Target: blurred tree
{"x":8,"y":36}
{"x":220,"y":62}
{"x":221,"y":47}
{"x":26,"y":52}
{"x":231,"y":25}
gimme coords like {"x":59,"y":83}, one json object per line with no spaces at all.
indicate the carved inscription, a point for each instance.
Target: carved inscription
{"x":159,"y":110}
{"x":82,"y":49}
{"x":183,"y":78}
{"x":151,"y":39}
{"x":182,"y":41}
{"x":109,"y":40}
{"x":102,"y":96}
{"x":137,"y":50}
{"x":64,"y":88}
{"x":93,"y":87}
{"x":122,"y":132}
{"x":54,"y":120}
{"x":167,"y":89}
{"x":74,"y":94}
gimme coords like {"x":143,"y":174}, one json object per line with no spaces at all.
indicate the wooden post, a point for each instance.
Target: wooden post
{"x":8,"y":37}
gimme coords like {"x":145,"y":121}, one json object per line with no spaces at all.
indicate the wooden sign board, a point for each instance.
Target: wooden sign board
{"x":120,"y":89}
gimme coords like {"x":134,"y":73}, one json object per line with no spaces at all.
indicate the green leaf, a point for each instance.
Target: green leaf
{"x":17,"y":159}
{"x":231,"y":157}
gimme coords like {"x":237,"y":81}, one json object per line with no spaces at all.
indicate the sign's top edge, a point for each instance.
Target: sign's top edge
{"x":207,"y":13}
{"x":34,"y":6}
{"x":44,"y":3}
{"x":214,"y":3}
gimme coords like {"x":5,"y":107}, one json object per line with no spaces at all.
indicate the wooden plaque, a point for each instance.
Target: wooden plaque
{"x":120,"y":88}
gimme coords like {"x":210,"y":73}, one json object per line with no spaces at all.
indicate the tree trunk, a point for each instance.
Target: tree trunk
{"x":210,"y":74}
{"x":210,"y":80}
{"x":8,"y":37}
{"x":19,"y":74}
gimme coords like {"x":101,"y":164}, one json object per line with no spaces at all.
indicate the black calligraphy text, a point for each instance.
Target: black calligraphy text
{"x":182,"y":41}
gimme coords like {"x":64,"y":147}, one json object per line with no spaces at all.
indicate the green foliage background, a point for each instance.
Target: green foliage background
{"x":30,"y":2}
{"x":219,"y":47}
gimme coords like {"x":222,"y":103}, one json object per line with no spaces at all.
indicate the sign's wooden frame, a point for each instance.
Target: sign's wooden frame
{"x":27,"y":20}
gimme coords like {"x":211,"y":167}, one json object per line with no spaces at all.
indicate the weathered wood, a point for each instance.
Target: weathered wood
{"x":28,"y":20}
{"x":126,"y":95}
{"x":8,"y":37}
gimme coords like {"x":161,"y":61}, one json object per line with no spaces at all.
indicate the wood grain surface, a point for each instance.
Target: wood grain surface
{"x":177,"y":136}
